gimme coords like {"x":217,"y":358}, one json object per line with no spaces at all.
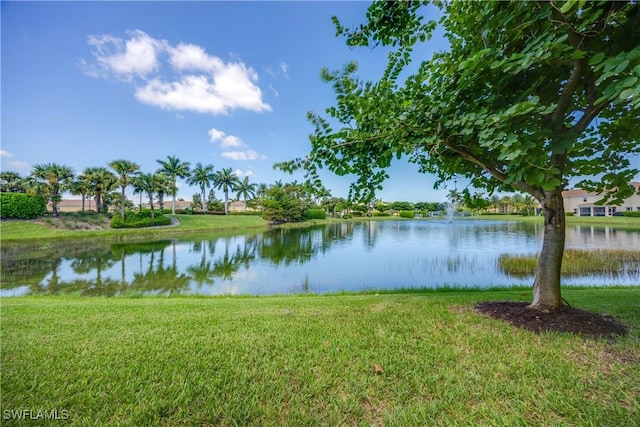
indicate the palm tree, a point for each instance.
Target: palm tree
{"x":246,"y":190}
{"x":100,"y":180}
{"x":81,"y":187}
{"x":530,"y":204}
{"x":261,"y":191}
{"x":52,"y":180}
{"x":202,"y":176}
{"x":11,"y":182}
{"x":125,"y":169}
{"x":174,"y":168}
{"x":149,"y":182}
{"x":226,"y":180}
{"x":138,"y":188}
{"x":163,"y":186}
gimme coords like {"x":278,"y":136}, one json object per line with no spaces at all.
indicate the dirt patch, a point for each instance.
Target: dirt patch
{"x":564,"y":319}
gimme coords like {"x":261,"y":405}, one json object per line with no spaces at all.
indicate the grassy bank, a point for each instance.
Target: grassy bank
{"x":392,"y":359}
{"x":23,"y":231}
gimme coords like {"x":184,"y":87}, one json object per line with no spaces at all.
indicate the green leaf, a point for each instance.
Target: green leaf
{"x":622,"y":66}
{"x":596,"y":59}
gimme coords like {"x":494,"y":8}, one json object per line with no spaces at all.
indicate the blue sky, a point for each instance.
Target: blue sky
{"x":224,"y":83}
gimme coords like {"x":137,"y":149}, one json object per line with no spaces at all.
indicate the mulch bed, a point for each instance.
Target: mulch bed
{"x":564,"y":319}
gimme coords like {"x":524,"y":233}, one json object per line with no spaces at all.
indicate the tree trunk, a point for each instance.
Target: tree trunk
{"x":204,"y":201}
{"x":122,"y":202}
{"x":546,"y":287}
{"x":98,"y":201}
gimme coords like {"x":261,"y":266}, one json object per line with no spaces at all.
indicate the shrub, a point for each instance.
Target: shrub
{"x":315,"y":214}
{"x":407,"y":214}
{"x":139,"y":220}
{"x":381,"y":214}
{"x":568,"y":214}
{"x":631,"y":214}
{"x":22,"y":206}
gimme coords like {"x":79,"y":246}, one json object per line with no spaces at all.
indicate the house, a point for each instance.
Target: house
{"x":583,"y":203}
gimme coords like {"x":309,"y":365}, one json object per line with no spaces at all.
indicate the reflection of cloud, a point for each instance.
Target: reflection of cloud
{"x":204,"y":83}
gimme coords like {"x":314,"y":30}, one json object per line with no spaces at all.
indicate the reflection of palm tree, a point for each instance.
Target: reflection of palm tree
{"x":202,"y":273}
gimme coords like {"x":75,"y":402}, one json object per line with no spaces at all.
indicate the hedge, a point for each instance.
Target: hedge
{"x":315,"y":214}
{"x":139,"y":220}
{"x":22,"y":205}
{"x":631,"y":214}
{"x":407,"y":214}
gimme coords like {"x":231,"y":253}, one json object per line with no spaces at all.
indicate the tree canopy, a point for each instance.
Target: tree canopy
{"x":528,"y":96}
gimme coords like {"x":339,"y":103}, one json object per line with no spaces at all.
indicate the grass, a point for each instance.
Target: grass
{"x":25,"y":231}
{"x":367,"y":359}
{"x":576,"y":262}
{"x":609,"y":221}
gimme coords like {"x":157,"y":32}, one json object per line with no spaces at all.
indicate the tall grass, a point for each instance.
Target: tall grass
{"x":576,"y":262}
{"x":396,"y":359}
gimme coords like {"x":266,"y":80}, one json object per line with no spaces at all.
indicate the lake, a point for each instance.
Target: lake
{"x":349,"y":256}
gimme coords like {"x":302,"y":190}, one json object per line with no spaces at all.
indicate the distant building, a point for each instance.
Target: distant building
{"x":582,"y":203}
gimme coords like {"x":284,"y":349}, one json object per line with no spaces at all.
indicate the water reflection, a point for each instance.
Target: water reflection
{"x":342,"y":256}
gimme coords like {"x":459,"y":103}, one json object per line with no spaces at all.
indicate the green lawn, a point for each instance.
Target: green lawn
{"x":388,"y":359}
{"x":22,"y":231}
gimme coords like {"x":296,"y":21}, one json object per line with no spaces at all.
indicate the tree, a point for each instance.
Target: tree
{"x":174,"y":168}
{"x":81,"y":187}
{"x":227,"y":181}
{"x":149,"y":182}
{"x":164,"y":185}
{"x":125,"y":169}
{"x":202,"y":176}
{"x":283,"y":204}
{"x":246,"y":190}
{"x":99,"y":180}
{"x":138,"y":188}
{"x":511,"y":105}
{"x":11,"y":182}
{"x":51,"y":181}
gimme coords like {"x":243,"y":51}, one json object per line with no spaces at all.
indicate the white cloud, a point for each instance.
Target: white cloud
{"x":5,"y":153}
{"x":284,"y":68}
{"x":240,"y":155}
{"x":204,"y":83}
{"x":240,"y":173}
{"x":226,"y":141}
{"x":192,"y":57}
{"x":275,"y":92}
{"x":123,"y":58}
{"x":18,"y":165}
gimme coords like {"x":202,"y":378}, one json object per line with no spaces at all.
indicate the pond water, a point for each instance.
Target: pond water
{"x":348,"y":256}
